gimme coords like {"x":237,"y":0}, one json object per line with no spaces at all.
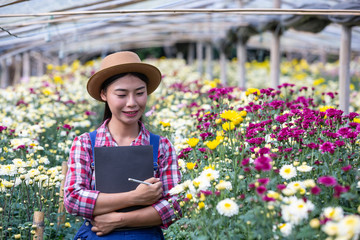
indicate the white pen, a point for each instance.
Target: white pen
{"x":138,"y":181}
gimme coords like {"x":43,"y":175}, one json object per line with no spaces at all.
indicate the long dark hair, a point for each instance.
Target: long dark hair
{"x":107,"y":82}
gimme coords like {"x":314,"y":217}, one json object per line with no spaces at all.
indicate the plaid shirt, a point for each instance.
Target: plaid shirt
{"x":79,"y":196}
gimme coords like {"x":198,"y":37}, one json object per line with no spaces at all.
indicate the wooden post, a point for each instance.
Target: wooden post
{"x":241,"y":60}
{"x":38,"y":221}
{"x":199,"y":56}
{"x":223,"y":70}
{"x":26,"y":67}
{"x":344,"y":70}
{"x":275,"y":54}
{"x":4,"y":74}
{"x":190,"y":56}
{"x":209,"y":59}
{"x":17,"y":74}
{"x":61,"y":211}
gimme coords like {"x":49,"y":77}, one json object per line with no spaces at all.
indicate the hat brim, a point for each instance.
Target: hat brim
{"x":96,"y":80}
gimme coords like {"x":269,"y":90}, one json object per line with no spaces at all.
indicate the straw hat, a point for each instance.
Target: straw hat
{"x":122,"y":62}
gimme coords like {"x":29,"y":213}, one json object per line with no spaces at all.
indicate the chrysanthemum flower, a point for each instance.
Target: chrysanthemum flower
{"x":213,"y":144}
{"x":210,"y":174}
{"x":349,"y":226}
{"x":287,"y":171}
{"x":327,"y":181}
{"x":330,"y":228}
{"x":227,"y":207}
{"x":304,"y":168}
{"x":222,"y":185}
{"x":228,"y":126}
{"x":285,"y":229}
{"x":333,"y":213}
{"x":192,"y":142}
{"x":8,"y":170}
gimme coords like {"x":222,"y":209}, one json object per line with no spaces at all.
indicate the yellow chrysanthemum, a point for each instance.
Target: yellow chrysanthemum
{"x":356,"y":120}
{"x":190,"y":165}
{"x":324,"y":108}
{"x":165,"y":124}
{"x":201,"y":205}
{"x":318,"y":81}
{"x":58,"y":80}
{"x":228,"y":126}
{"x":192,"y":141}
{"x":213,"y":144}
{"x":252,"y":91}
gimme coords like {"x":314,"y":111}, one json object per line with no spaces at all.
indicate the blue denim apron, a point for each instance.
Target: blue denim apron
{"x":150,"y":233}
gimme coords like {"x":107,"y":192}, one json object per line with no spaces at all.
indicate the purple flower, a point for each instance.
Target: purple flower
{"x":268,"y":199}
{"x":339,"y":143}
{"x":202,"y":150}
{"x":264,"y":150}
{"x":260,"y":190}
{"x":263,"y":181}
{"x":338,"y":190}
{"x":315,"y":190}
{"x":344,"y":131}
{"x":281,"y":119}
{"x":346,"y":168}
{"x":327,"y":181}
{"x":327,"y":147}
{"x":245,"y":161}
{"x":262,"y":163}
{"x":281,"y":187}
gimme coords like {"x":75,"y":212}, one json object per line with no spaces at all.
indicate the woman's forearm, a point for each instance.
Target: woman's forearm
{"x":147,"y":216}
{"x":143,"y":195}
{"x":110,"y":202}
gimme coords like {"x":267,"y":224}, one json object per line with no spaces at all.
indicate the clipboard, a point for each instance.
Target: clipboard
{"x":114,"y":165}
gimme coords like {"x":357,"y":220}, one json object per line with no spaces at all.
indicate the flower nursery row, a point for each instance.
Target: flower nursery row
{"x":256,"y":163}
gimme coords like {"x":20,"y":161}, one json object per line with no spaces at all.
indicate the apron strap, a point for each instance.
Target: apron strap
{"x":154,"y":141}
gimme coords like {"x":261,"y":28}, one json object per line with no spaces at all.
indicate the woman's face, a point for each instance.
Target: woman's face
{"x":126,"y":98}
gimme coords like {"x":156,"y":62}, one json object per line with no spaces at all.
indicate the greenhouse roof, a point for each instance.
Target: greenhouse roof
{"x":93,"y":26}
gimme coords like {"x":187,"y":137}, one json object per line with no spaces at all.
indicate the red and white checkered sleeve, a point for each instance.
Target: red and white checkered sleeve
{"x":168,"y":207}
{"x":79,"y":198}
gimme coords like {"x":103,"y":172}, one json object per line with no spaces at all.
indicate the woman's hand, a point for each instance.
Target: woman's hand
{"x":148,"y":194}
{"x":105,"y":223}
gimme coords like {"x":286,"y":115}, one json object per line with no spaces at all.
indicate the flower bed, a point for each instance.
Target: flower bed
{"x":256,"y":164}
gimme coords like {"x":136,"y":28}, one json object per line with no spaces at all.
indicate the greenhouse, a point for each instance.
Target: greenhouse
{"x":257,"y":102}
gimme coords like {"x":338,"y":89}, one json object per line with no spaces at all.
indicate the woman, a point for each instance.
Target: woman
{"x":123,"y":83}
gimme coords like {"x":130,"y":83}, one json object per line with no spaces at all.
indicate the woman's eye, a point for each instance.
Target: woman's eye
{"x":140,"y":93}
{"x":121,"y":96}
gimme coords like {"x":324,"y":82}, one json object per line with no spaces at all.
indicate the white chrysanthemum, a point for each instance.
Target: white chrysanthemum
{"x":285,"y":229}
{"x":333,"y":213}
{"x":8,"y":170}
{"x":44,"y":160}
{"x":182,"y":164}
{"x":227,"y":207}
{"x":309,"y":183}
{"x":177,"y":189}
{"x":33,"y":173}
{"x":296,"y":210}
{"x":287,"y":171}
{"x":349,"y":226}
{"x":330,"y":228}
{"x":19,"y":162}
{"x":201,"y":183}
{"x":210,"y":174}
{"x":358,"y":184}
{"x":296,"y":185}
{"x":304,"y":168}
{"x":32,"y":163}
{"x":222,"y":185}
